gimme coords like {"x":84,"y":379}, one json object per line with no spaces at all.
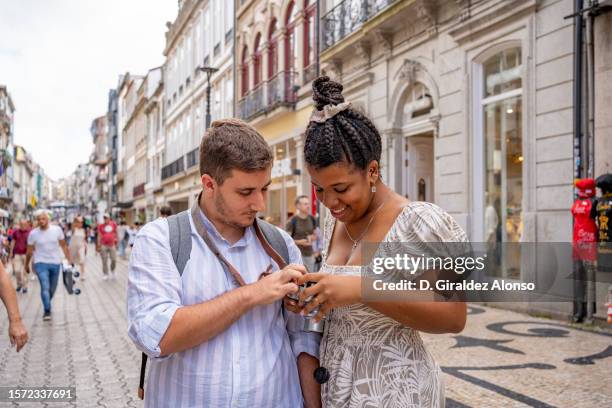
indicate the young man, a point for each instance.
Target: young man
{"x":214,"y":342}
{"x":44,"y":242}
{"x":106,"y":245}
{"x":19,"y":248}
{"x":302,"y":227}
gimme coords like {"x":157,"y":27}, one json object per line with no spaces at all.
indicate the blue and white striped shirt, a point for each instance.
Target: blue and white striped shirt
{"x":252,"y":364}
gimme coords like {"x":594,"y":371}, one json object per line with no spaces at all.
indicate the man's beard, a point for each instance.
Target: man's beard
{"x":220,"y":206}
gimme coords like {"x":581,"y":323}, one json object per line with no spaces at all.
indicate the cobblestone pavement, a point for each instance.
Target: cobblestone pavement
{"x":502,"y":358}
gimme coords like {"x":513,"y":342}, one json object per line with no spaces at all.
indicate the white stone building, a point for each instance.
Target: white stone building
{"x":475,"y":103}
{"x":202,"y":35}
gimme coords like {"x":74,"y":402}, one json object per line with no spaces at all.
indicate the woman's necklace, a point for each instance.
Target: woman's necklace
{"x":358,"y":240}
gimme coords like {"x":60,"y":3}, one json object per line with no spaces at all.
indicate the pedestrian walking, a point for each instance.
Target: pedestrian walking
{"x":302,"y":227}
{"x":44,"y":243}
{"x":106,"y":245}
{"x":19,"y":249}
{"x":78,"y":244}
{"x":122,"y":238}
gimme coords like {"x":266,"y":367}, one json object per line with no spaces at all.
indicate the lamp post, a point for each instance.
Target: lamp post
{"x":209,"y":71}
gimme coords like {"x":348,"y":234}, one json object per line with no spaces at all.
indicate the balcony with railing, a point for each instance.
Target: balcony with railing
{"x":173,"y":168}
{"x":310,"y":73}
{"x":138,"y":190}
{"x":280,"y":90}
{"x":192,"y":158}
{"x":347,"y":17}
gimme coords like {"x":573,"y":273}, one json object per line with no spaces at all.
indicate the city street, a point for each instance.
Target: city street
{"x":502,"y":358}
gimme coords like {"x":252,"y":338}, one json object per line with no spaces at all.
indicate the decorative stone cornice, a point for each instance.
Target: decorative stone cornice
{"x":363,"y":50}
{"x":385,"y":39}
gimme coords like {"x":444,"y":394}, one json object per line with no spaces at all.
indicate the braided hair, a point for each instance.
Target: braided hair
{"x":349,"y":136}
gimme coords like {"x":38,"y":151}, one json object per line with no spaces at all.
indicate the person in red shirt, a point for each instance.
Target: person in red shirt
{"x":19,"y":248}
{"x":106,"y":245}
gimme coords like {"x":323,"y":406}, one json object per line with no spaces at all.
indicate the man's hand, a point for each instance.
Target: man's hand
{"x":97,"y":248}
{"x":303,"y":242}
{"x":27,"y":267}
{"x":18,"y":334}
{"x":277,"y":285}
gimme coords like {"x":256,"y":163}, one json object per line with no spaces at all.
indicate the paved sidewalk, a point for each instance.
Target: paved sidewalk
{"x":501,"y":359}
{"x":85,"y":345}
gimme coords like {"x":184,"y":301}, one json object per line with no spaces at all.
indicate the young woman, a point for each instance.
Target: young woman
{"x":372,"y":350}
{"x":78,"y":244}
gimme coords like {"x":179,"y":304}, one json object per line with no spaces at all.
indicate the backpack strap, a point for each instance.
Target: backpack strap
{"x":269,"y":234}
{"x":179,"y":236}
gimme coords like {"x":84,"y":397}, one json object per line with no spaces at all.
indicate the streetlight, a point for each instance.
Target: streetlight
{"x":209,"y":71}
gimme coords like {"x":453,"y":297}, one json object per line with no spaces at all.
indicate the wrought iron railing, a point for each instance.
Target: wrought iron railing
{"x":310,"y":73}
{"x":192,"y":157}
{"x":347,"y":17}
{"x":244,"y":107}
{"x":173,"y":168}
{"x":282,"y":89}
{"x":257,"y":104}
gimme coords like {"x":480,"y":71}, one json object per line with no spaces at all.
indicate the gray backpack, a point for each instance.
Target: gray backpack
{"x":180,"y":246}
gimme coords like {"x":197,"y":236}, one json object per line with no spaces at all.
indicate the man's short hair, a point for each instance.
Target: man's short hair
{"x":233,"y":144}
{"x":165,"y":211}
{"x":42,"y":211}
{"x":298,"y":198}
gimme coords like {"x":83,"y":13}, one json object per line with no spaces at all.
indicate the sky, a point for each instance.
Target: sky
{"x":58,"y":60}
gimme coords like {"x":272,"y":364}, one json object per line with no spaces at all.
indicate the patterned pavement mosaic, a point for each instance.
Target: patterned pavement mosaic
{"x":501,"y":359}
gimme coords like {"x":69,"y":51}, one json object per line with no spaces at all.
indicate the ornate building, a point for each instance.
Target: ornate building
{"x":7,"y":110}
{"x":201,"y":36}
{"x":276,"y":54}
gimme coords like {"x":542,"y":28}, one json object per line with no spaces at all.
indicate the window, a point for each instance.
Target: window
{"x":244,"y":72}
{"x":217,"y":22}
{"x":229,"y":96}
{"x":500,"y":110}
{"x":291,"y":38}
{"x":272,"y":50}
{"x":216,"y":103}
{"x":257,"y":62}
{"x":206,"y":36}
{"x":310,"y":34}
{"x":229,"y":16}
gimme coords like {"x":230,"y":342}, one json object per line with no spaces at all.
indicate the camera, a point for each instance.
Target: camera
{"x":310,"y":325}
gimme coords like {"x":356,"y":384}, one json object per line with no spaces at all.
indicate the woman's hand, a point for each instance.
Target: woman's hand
{"x":329,"y":292}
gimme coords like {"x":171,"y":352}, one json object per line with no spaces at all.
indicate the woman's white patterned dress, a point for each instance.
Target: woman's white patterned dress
{"x":374,"y":361}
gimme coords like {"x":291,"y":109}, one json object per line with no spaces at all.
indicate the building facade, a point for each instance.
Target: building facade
{"x":99,"y":160}
{"x":474,"y":100}
{"x":276,"y":60}
{"x":154,"y":97}
{"x":7,"y":111}
{"x":112,"y":139}
{"x":201,"y":36}
{"x":131,"y":122}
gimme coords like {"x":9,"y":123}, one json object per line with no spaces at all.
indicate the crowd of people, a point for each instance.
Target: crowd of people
{"x":46,"y":247}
